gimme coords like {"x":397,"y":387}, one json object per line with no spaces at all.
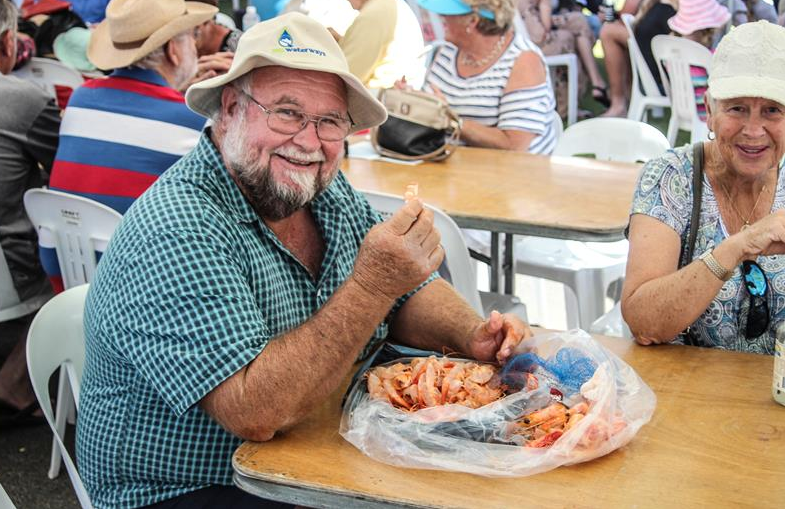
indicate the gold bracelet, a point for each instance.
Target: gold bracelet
{"x":714,"y":266}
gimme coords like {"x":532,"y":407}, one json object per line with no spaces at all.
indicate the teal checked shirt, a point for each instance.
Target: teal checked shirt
{"x":191,"y":289}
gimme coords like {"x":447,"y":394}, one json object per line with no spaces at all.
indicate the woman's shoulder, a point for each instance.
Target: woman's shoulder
{"x":674,"y":161}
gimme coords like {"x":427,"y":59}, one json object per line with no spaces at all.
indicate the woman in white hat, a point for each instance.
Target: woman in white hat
{"x":707,"y":226}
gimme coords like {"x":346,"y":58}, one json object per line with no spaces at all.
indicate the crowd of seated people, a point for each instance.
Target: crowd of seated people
{"x":222,"y":155}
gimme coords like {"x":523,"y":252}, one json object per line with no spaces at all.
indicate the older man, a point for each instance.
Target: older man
{"x":29,"y":120}
{"x":119,"y":134}
{"x":239,"y":290}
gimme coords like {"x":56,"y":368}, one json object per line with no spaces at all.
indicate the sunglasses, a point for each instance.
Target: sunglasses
{"x":757,"y":286}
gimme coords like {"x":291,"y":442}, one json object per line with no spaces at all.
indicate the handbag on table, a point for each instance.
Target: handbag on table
{"x":418,"y":126}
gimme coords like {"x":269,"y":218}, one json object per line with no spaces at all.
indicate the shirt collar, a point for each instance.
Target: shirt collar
{"x":137,"y":73}
{"x":334,"y":197}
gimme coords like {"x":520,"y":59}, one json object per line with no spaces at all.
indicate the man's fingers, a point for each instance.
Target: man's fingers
{"x":493,"y":323}
{"x":431,"y":241}
{"x":421,"y":228}
{"x":436,"y":257}
{"x":404,"y":217}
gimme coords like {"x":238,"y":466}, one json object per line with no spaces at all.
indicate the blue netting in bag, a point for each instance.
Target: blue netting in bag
{"x":569,"y":368}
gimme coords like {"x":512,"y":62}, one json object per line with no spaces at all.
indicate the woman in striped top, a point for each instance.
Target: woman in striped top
{"x":493,"y":78}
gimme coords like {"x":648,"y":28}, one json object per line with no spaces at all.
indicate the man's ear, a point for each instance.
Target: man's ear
{"x":7,"y":43}
{"x":229,"y":102}
{"x":172,"y":52}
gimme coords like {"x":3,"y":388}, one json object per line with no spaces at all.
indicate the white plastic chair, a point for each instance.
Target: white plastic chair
{"x":456,"y":256}
{"x":588,"y":268}
{"x":56,"y":340}
{"x":613,"y":139}
{"x":46,"y":73}
{"x":76,"y":228}
{"x":571,"y":61}
{"x":11,"y":307}
{"x":645,"y":93}
{"x":5,"y":500}
{"x":674,"y":56}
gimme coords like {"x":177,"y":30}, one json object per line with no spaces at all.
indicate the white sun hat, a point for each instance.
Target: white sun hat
{"x":296,"y":41}
{"x":750,"y":62}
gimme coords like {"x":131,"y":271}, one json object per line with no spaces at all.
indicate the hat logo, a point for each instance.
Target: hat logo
{"x":285,"y":39}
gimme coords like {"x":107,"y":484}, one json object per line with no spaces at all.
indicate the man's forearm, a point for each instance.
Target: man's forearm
{"x":299,"y":369}
{"x":435,"y":318}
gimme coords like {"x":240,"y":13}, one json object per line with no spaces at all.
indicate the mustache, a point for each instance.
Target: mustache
{"x":298,"y":155}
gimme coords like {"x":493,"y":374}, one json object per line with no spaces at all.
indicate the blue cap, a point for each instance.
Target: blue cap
{"x":453,"y":8}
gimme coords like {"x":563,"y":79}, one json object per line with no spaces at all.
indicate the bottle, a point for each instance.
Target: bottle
{"x":778,"y":383}
{"x":608,"y":10}
{"x":250,"y":18}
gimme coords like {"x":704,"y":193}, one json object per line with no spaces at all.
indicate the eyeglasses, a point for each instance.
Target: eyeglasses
{"x":291,"y":121}
{"x":757,"y":286}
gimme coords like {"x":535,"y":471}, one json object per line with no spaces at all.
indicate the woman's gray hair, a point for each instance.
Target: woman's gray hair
{"x":8,"y":15}
{"x":155,"y":58}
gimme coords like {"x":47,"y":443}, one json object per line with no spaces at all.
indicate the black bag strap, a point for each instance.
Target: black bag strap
{"x":697,"y":194}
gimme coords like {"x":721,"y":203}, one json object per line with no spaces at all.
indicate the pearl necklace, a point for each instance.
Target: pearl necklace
{"x":487,"y":59}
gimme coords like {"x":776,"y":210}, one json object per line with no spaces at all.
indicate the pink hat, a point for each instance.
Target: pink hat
{"x":694,"y":15}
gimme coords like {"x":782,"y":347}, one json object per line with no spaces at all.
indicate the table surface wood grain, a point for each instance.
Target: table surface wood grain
{"x":716,"y":439}
{"x":512,"y":192}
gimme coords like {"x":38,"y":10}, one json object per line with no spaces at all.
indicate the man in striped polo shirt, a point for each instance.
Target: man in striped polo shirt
{"x":119,"y":134}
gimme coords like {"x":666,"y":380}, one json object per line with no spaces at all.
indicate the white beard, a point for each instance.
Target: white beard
{"x":270,"y":198}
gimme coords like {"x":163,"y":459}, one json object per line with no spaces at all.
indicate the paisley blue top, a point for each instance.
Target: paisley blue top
{"x":664,"y":192}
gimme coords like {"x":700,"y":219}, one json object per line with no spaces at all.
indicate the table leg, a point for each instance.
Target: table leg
{"x":509,"y":265}
{"x":496,"y":263}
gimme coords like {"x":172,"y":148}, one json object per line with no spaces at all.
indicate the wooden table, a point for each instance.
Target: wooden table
{"x":514,"y":193}
{"x":717,"y":439}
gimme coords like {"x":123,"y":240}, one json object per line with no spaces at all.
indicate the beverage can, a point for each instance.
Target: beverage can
{"x":778,"y":381}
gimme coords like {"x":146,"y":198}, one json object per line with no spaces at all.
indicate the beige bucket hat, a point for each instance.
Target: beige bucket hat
{"x":750,"y":62}
{"x":296,"y":41}
{"x":135,"y":28}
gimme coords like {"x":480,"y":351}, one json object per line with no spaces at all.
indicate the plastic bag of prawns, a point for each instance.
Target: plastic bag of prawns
{"x":561,"y":399}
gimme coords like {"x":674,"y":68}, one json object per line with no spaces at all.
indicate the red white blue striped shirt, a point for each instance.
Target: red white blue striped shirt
{"x":117,"y":136}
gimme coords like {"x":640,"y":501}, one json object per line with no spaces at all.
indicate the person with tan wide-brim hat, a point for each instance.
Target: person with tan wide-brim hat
{"x":707,"y":228}
{"x":133,"y":29}
{"x":121,"y":132}
{"x":249,"y":263}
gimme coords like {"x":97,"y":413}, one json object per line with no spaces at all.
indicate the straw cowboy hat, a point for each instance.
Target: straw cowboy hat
{"x":296,"y":41}
{"x":694,"y":15}
{"x":135,"y":28}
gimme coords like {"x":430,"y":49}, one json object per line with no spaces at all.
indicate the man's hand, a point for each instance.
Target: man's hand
{"x":209,"y":66}
{"x":496,"y":337}
{"x":400,"y":253}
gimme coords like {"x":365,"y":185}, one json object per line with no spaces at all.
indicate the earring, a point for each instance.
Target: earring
{"x":711,"y":135}
{"x":468,"y":30}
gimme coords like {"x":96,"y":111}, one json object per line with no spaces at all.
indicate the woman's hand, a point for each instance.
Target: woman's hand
{"x":764,"y":237}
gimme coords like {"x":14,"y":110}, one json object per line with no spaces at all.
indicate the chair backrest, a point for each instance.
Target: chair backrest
{"x":613,"y":139}
{"x":77,"y":228}
{"x":455,"y":251}
{"x":641,"y":74}
{"x":48,"y":73}
{"x":55,"y":339}
{"x":674,"y":57}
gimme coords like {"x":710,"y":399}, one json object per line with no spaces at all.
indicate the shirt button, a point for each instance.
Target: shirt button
{"x":319,"y":294}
